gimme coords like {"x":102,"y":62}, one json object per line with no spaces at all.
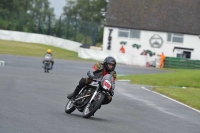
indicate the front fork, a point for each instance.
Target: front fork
{"x":93,"y":96}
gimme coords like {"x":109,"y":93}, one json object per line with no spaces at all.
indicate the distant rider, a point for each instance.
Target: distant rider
{"x":49,"y":54}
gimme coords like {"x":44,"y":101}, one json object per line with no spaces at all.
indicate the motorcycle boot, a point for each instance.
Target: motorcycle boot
{"x":82,"y":83}
{"x":73,"y":94}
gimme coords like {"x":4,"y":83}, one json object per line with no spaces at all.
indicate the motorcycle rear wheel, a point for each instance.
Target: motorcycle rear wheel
{"x":87,"y":113}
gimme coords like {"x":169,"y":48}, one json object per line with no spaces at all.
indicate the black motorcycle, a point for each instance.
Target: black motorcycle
{"x":91,"y":97}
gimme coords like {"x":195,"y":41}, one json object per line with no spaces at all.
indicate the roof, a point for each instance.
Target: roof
{"x":177,"y":16}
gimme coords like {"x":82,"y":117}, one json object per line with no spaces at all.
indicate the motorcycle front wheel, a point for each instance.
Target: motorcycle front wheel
{"x":45,"y":67}
{"x":92,"y":107}
{"x":69,"y":107}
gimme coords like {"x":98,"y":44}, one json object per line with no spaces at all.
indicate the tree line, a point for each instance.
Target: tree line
{"x":38,"y":17}
{"x":23,"y":15}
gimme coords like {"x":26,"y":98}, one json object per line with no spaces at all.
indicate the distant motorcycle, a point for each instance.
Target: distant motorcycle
{"x":47,"y":64}
{"x":91,"y":97}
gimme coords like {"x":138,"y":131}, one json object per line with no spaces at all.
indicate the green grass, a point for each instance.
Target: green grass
{"x":36,"y":50}
{"x":171,"y":84}
{"x":177,"y":77}
{"x":189,"y":96}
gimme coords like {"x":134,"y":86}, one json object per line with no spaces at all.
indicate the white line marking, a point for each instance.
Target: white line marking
{"x":121,"y":74}
{"x":124,"y":80}
{"x":171,"y":99}
{"x":149,"y":103}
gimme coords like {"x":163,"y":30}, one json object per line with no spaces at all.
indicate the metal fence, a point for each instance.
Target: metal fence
{"x":62,"y":26}
{"x":81,"y":31}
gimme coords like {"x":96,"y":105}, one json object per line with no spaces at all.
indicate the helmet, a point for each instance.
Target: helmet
{"x":109,"y":60}
{"x":49,"y":51}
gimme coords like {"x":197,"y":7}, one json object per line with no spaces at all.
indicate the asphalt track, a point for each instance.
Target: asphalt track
{"x":32,"y":101}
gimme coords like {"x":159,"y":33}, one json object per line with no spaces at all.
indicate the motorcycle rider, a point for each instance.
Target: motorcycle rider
{"x":98,"y":71}
{"x":49,"y":53}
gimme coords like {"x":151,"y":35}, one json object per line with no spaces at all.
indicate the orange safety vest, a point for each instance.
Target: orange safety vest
{"x":162,"y":57}
{"x":122,"y":50}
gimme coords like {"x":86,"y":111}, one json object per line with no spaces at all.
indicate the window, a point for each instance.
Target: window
{"x":184,"y":54}
{"x":179,"y":55}
{"x":129,"y":33}
{"x":123,"y":33}
{"x":181,"y":52}
{"x":178,"y":38}
{"x":135,"y":34}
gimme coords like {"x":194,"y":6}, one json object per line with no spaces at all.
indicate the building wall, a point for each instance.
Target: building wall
{"x":190,"y":41}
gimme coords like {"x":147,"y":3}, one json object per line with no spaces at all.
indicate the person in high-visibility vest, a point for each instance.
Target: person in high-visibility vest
{"x":162,"y":58}
{"x":122,"y":49}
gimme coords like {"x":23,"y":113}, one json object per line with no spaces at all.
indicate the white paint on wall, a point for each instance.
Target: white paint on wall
{"x":189,"y":41}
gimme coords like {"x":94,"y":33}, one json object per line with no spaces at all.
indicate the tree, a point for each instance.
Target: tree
{"x":87,"y":13}
{"x":24,"y":15}
{"x":9,"y":13}
{"x":42,"y":15}
{"x":86,"y":10}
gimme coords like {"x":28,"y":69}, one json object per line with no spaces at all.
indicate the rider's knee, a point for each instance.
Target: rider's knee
{"x":84,"y":81}
{"x":107,"y":100}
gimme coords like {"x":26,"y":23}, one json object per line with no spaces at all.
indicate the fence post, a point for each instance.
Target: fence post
{"x":49,"y":26}
{"x":67,"y":37}
{"x":19,"y":22}
{"x":75,"y":29}
{"x":86,"y":25}
{"x":59,"y":27}
{"x":39,"y":25}
{"x":94,"y":35}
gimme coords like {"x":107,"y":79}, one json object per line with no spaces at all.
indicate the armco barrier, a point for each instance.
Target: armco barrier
{"x":181,"y":63}
{"x":73,"y":46}
{"x":120,"y":58}
{"x":39,"y":38}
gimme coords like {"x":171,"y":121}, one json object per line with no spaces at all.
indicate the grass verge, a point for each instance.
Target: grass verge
{"x":36,"y":50}
{"x":172,"y":83}
{"x":189,"y":96}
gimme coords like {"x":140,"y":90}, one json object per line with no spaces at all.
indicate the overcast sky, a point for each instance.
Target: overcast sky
{"x":58,"y":6}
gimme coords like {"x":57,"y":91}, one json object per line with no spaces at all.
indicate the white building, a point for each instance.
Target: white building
{"x":169,"y":26}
